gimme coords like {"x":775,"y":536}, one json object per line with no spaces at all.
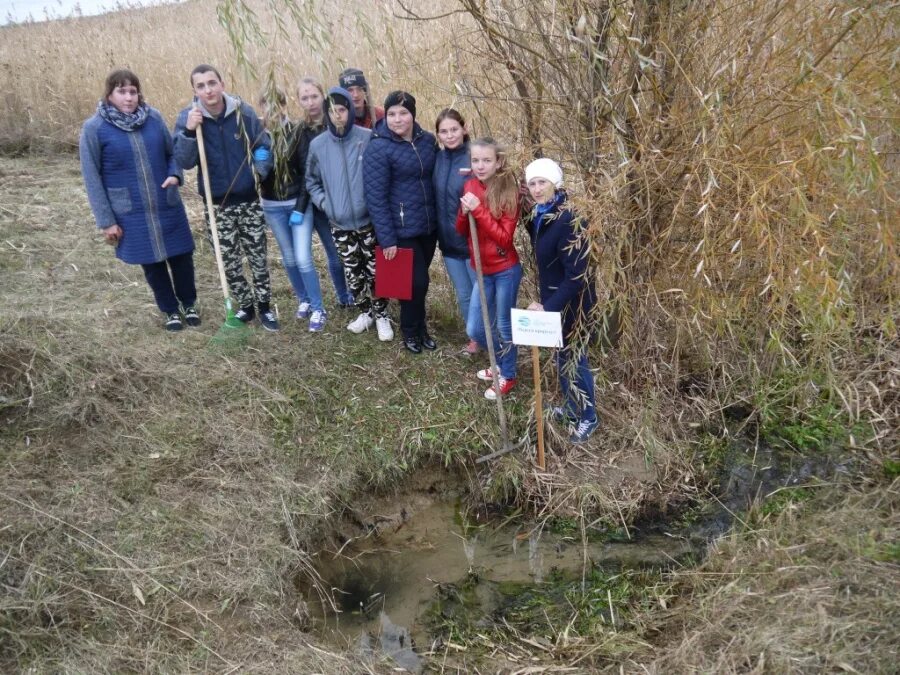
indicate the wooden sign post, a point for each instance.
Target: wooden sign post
{"x":538,"y":404}
{"x":537,"y":329}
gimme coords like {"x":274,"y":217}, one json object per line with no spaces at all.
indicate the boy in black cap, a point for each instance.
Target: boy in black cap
{"x":354,"y":81}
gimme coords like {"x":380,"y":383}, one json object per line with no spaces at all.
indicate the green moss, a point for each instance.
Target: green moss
{"x":567,"y":526}
{"x":800,"y":410}
{"x":889,"y":552}
{"x":891,"y":468}
{"x":456,"y":612}
{"x":583,"y":607}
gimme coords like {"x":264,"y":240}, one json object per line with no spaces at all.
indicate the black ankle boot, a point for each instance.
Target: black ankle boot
{"x":412,"y":344}
{"x":428,"y":342}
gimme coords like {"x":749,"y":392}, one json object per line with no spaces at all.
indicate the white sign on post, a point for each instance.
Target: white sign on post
{"x":538,"y":329}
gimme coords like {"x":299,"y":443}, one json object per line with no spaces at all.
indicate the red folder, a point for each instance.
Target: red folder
{"x":393,"y":278}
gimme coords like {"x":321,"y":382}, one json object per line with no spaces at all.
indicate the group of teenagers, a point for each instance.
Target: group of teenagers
{"x":360,"y":176}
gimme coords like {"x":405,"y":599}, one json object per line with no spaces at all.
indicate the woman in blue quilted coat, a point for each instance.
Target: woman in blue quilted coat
{"x":132,"y":186}
{"x":397,"y":174}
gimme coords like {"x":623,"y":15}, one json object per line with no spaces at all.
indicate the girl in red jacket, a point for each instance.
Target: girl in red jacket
{"x":492,"y":197}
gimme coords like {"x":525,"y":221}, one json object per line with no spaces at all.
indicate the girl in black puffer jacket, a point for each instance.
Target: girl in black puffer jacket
{"x":397,"y":172}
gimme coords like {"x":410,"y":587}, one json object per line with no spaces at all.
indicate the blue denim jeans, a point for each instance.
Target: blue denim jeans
{"x":314,"y":219}
{"x":278,"y":218}
{"x":501,"y":290}
{"x":462,"y":276}
{"x":577,"y":383}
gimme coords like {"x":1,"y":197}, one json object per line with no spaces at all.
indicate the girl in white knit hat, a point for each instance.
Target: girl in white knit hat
{"x":561,"y":254}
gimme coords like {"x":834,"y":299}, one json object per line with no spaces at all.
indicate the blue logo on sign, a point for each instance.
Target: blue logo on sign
{"x":524,"y":321}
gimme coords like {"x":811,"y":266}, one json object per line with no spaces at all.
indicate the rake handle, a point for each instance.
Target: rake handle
{"x":211,"y":214}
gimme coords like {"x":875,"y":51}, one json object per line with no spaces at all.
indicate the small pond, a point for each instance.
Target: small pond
{"x":386,"y":585}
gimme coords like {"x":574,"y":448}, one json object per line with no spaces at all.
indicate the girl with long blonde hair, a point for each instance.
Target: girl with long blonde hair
{"x":492,"y":199}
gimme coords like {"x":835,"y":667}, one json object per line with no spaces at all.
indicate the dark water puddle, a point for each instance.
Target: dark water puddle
{"x":753,"y":473}
{"x":389,"y":585}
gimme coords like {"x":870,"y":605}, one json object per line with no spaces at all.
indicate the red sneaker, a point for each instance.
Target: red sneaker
{"x":505,"y":387}
{"x":472,"y":348}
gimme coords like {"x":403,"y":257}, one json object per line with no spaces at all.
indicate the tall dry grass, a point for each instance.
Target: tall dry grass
{"x":737,"y":163}
{"x":52,"y":73}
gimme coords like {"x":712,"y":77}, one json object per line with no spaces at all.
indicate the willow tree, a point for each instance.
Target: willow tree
{"x":731,"y":158}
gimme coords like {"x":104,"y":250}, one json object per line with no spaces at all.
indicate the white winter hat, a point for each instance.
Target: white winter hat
{"x":544,"y":168}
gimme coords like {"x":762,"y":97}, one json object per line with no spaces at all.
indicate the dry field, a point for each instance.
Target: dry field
{"x":45,"y":99}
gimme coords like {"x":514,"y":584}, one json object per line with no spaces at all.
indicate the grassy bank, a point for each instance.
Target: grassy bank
{"x":160,"y":494}
{"x":809,"y":585}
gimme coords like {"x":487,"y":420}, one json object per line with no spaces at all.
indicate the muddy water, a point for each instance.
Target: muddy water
{"x":384,"y":583}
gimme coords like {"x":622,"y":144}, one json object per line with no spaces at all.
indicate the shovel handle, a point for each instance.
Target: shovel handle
{"x":486,"y":318}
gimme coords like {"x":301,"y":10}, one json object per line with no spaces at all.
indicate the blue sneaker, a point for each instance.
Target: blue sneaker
{"x":560,"y":415}
{"x":584,"y":430}
{"x":267,"y":318}
{"x":317,"y":321}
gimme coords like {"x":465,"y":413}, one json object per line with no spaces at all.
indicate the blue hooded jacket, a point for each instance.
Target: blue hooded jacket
{"x":561,"y":250}
{"x":398,"y":181}
{"x":448,"y":186}
{"x":230,"y":140}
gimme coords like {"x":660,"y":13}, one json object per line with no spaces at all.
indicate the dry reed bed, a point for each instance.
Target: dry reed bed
{"x":52,"y":73}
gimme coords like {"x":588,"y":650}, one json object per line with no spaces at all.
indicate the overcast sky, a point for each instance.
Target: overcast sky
{"x":20,"y":10}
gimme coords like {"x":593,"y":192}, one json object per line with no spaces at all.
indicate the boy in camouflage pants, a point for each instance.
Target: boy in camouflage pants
{"x":237,"y":151}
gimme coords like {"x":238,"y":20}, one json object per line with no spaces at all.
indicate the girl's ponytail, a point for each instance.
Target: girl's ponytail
{"x":503,"y":189}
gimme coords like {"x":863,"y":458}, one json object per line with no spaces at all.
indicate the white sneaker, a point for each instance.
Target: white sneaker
{"x":385,"y":332}
{"x":485,"y":375}
{"x":361,"y":323}
{"x":317,"y":321}
{"x":303,"y":310}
